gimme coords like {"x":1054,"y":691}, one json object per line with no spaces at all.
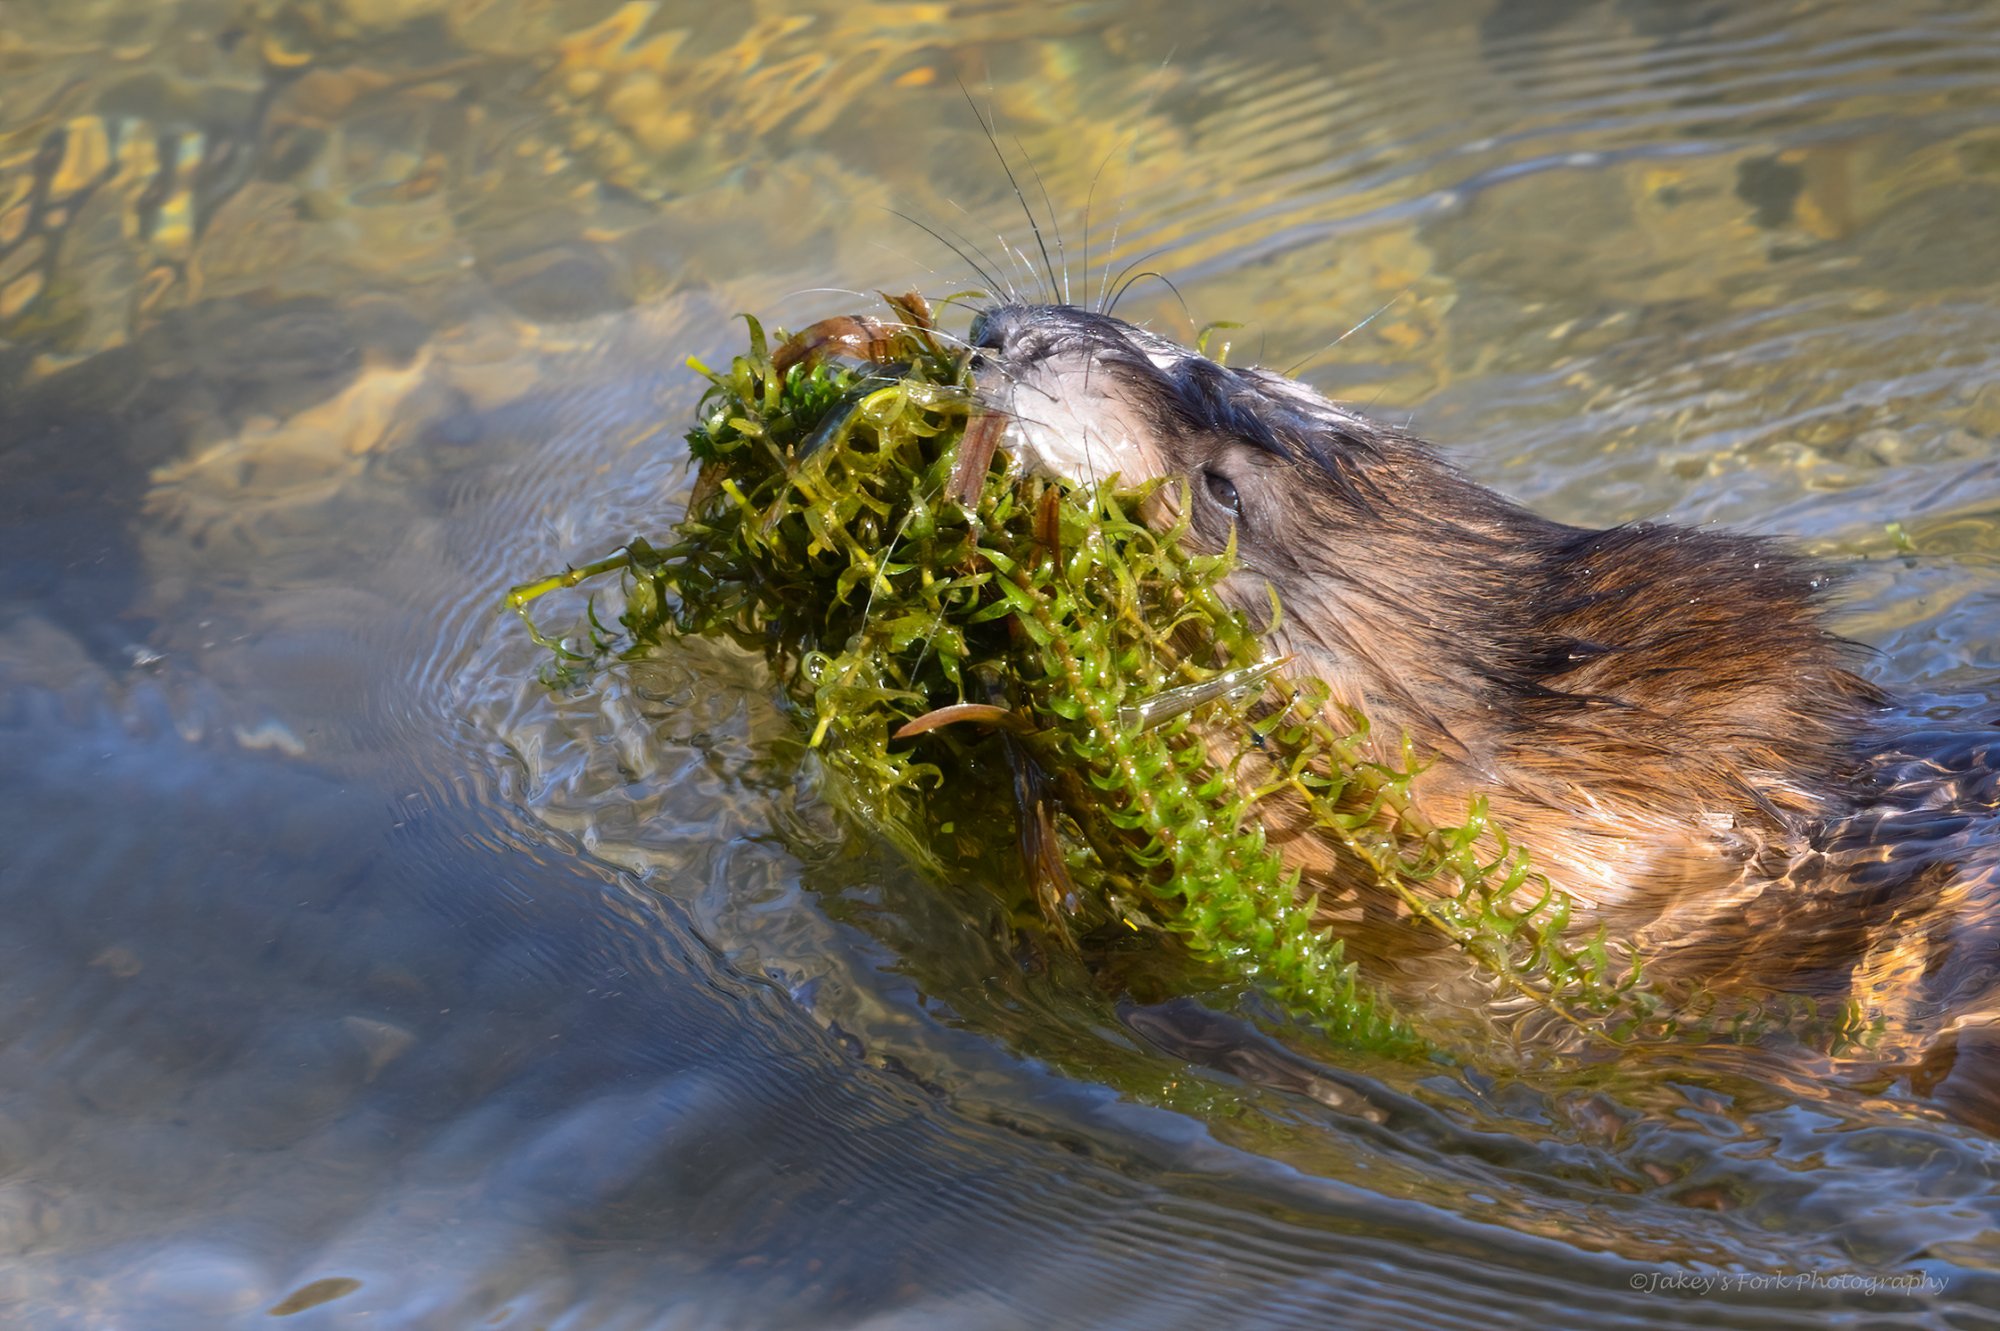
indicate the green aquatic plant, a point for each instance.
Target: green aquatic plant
{"x":956,"y":637}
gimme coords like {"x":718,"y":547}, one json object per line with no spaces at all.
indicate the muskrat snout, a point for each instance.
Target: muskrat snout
{"x":1078,"y":389}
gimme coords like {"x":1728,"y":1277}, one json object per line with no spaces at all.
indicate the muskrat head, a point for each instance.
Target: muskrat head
{"x":1089,"y":396}
{"x":1633,"y":694}
{"x":1394,"y":572}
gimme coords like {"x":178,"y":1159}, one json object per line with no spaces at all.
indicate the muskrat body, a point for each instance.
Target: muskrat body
{"x":1657,"y":712}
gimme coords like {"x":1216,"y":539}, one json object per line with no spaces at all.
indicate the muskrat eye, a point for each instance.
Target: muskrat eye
{"x":1223,"y":492}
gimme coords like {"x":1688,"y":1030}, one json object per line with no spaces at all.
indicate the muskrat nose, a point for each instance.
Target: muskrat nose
{"x":992,"y":329}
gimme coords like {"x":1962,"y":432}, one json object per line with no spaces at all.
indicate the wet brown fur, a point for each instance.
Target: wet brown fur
{"x":1657,"y":711}
{"x":1647,"y":706}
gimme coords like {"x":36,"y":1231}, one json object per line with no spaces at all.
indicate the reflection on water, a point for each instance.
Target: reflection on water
{"x":352,"y":973}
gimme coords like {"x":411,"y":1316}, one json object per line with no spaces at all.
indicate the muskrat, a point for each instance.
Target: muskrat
{"x":1658,"y":713}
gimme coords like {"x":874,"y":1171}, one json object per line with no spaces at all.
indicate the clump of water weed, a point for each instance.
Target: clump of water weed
{"x":956,"y":638}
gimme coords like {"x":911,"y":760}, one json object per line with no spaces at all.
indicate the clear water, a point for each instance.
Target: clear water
{"x":351,"y":977}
